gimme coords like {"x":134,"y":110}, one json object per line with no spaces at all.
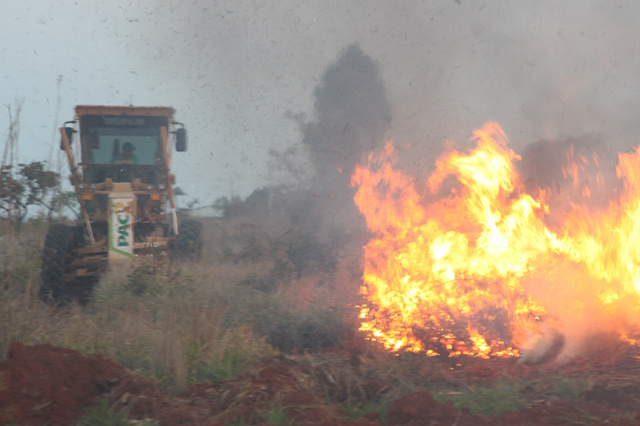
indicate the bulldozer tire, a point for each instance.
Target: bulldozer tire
{"x":189,"y":241}
{"x":56,"y":259}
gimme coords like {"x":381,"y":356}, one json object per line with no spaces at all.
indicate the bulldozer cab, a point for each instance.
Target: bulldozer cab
{"x":123,"y":145}
{"x":124,"y":148}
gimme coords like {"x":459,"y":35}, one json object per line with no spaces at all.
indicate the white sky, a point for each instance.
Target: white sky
{"x":235,"y":69}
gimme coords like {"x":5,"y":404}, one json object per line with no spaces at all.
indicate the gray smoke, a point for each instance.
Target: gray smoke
{"x":352,"y":117}
{"x":571,"y":171}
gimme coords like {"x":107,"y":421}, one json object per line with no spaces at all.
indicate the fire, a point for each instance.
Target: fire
{"x":467,"y":263}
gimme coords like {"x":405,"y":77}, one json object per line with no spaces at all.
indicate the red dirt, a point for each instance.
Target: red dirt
{"x":43,"y":384}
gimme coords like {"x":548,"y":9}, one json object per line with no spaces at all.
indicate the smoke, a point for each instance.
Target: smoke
{"x":575,"y":171}
{"x":578,"y":322}
{"x":352,"y":117}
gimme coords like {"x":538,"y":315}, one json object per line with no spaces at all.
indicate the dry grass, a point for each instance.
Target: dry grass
{"x":19,"y":281}
{"x":187,"y":322}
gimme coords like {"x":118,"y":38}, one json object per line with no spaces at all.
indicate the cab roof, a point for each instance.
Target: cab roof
{"x":147,"y":111}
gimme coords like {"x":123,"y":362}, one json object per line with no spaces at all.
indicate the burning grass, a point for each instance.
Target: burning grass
{"x":473,"y":261}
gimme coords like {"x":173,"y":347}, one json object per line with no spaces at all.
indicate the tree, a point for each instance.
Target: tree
{"x":29,"y":185}
{"x":229,"y":207}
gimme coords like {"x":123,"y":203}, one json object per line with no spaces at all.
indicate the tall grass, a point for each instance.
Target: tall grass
{"x":160,"y":323}
{"x":179,"y":323}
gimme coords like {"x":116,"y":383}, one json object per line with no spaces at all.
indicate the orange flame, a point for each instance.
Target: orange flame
{"x":477,"y":271}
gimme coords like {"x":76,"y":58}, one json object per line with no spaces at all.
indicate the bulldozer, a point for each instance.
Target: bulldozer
{"x":120,"y":163}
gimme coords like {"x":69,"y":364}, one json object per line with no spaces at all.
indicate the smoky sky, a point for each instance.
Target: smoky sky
{"x":237,"y":70}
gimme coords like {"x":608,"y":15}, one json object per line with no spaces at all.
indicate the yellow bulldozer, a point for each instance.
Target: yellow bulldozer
{"x":120,"y":163}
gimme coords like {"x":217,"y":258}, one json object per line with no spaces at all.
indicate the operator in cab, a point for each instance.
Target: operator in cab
{"x":127,"y":156}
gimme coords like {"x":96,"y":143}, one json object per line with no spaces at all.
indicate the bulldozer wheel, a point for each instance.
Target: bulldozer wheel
{"x":189,"y":241}
{"x":56,"y":259}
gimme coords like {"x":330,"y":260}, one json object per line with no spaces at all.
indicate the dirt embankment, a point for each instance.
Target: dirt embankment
{"x":48,"y":385}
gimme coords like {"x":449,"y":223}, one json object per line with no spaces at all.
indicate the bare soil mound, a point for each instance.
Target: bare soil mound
{"x":45,"y":384}
{"x":49,"y":385}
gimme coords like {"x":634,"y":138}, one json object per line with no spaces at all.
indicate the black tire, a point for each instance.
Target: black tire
{"x":57,"y":256}
{"x":189,"y":241}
